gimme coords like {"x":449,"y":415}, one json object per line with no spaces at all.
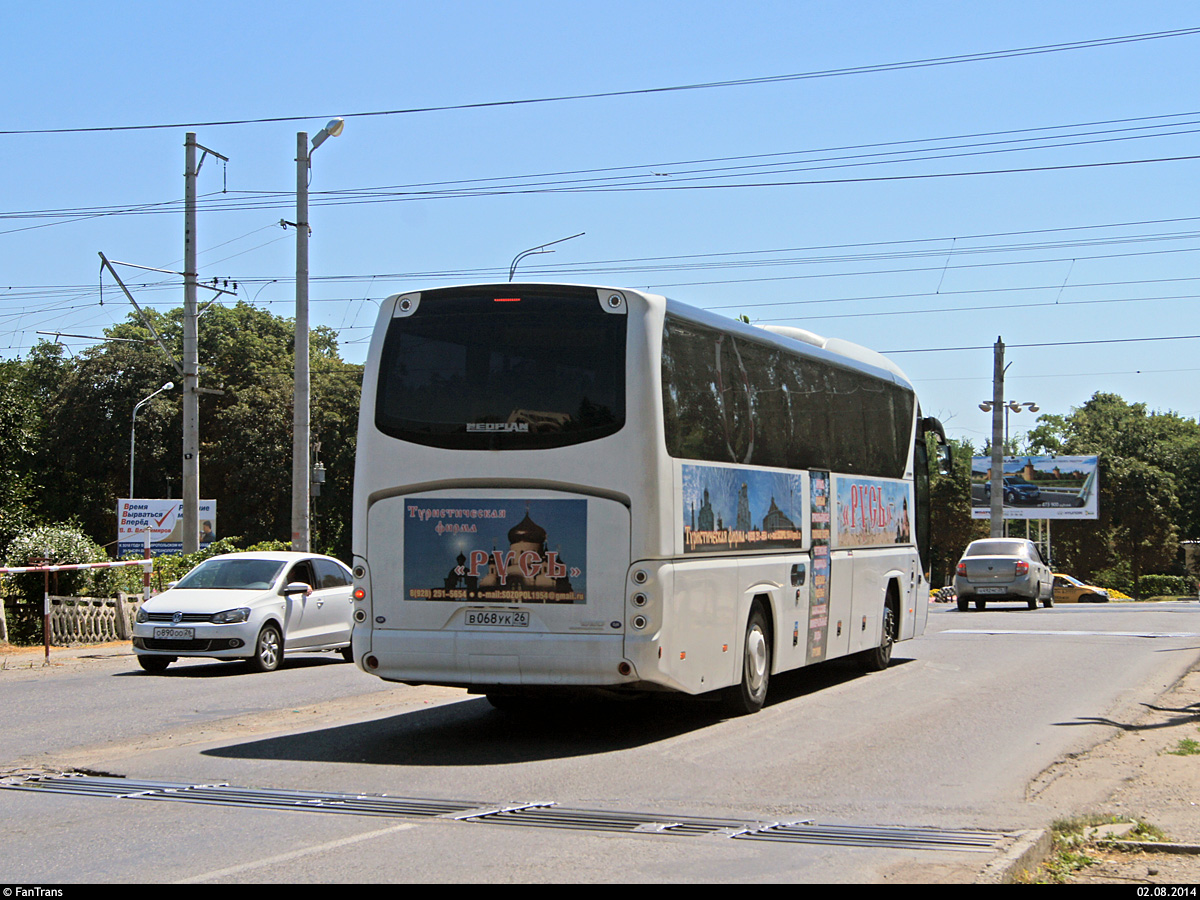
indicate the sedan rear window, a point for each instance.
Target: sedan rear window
{"x":997,"y":548}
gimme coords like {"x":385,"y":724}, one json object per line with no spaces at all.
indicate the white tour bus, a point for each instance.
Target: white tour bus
{"x":560,"y":486}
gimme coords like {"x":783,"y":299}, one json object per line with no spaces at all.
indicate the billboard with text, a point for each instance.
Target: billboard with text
{"x":164,"y":518}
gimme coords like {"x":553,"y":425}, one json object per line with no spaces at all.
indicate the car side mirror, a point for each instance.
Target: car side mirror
{"x":296,"y":587}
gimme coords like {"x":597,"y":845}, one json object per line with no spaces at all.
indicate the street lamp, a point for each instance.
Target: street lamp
{"x":133,"y":429}
{"x":1010,"y":406}
{"x":301,"y":422}
{"x":999,"y":524}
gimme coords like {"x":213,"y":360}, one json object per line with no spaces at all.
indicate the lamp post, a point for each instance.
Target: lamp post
{"x":301,"y":423}
{"x":994,"y":406}
{"x":1012,"y":406}
{"x":133,"y":428}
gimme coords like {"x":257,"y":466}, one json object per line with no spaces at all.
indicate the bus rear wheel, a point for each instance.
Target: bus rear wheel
{"x":750,"y":694}
{"x":881,"y":657}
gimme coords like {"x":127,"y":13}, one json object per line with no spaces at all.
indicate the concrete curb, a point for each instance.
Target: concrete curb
{"x":1028,"y":850}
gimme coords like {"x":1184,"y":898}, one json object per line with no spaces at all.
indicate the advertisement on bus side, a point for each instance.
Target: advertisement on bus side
{"x":728,"y":508}
{"x":504,"y":551}
{"x":873,"y":513}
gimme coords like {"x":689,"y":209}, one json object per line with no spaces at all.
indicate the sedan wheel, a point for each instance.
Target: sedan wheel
{"x":268,"y":650}
{"x":155,"y":665}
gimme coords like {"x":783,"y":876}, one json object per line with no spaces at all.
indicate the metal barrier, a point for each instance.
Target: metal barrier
{"x":82,"y":619}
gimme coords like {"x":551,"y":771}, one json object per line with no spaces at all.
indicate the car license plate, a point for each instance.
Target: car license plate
{"x":990,"y":590}
{"x":498,"y":618}
{"x":174,"y":634}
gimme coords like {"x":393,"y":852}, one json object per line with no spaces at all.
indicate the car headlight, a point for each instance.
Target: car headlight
{"x":142,"y":617}
{"x":230,"y":616}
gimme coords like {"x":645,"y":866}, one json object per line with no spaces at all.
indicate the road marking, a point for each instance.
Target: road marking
{"x":1145,"y":634}
{"x":295,"y":854}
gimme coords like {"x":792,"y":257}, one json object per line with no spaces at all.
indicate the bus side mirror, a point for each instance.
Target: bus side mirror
{"x":945,"y":459}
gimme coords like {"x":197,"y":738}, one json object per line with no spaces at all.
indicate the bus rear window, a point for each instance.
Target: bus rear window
{"x":503,"y":367}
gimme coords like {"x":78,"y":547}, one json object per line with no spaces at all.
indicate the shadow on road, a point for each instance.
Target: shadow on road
{"x":472,"y":733}
{"x":215,"y":668}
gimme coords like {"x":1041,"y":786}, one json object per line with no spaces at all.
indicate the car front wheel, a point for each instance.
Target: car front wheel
{"x":155,"y":665}
{"x":268,"y":650}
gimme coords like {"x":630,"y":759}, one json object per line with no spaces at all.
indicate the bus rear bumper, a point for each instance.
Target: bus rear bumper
{"x":491,"y":658}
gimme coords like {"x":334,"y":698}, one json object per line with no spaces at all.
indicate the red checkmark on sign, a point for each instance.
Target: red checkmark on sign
{"x":164,"y":518}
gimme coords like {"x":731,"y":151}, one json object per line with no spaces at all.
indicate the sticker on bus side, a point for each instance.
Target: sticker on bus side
{"x":818,"y":601}
{"x":740,"y":509}
{"x":499,"y":551}
{"x":872,"y":513}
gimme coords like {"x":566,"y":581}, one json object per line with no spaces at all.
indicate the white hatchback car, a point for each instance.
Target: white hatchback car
{"x":250,"y":606}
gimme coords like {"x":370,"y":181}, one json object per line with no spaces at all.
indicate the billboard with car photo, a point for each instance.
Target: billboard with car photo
{"x":1038,"y":487}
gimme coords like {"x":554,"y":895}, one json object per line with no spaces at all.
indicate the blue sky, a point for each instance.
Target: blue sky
{"x":1076,"y":248}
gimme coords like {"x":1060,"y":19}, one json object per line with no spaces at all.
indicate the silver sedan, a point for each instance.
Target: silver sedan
{"x":1003,"y":569}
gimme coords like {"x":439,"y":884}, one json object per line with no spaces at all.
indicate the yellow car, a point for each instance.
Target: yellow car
{"x":1070,"y":590}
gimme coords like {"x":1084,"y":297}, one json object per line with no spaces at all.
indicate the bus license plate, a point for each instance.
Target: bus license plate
{"x":498,"y":618}
{"x":174,"y":634}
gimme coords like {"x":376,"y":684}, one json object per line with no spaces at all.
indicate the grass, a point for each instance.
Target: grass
{"x":1186,"y":747}
{"x":1071,"y":845}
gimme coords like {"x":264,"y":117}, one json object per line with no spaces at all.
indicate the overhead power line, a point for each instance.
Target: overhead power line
{"x":683,"y":174}
{"x":696,"y":86}
{"x":1170,"y":337}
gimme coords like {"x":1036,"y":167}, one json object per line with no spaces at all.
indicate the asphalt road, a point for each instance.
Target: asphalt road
{"x":950,"y":737}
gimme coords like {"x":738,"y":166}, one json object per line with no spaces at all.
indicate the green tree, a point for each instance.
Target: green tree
{"x":245,"y":427}
{"x":19,"y":424}
{"x":1146,"y":460}
{"x":952,"y":527}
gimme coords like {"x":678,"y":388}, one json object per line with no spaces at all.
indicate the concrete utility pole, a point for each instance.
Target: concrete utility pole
{"x":191,"y":361}
{"x":997,"y":515}
{"x":191,"y":353}
{"x":301,"y":398}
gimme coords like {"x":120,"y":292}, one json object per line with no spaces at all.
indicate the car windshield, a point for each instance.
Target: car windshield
{"x":1070,"y":580}
{"x":232,"y":575}
{"x":996,"y":548}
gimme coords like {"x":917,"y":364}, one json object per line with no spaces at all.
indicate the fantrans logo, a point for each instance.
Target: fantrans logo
{"x":521,"y":427}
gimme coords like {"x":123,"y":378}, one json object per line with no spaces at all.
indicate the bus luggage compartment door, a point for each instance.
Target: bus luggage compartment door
{"x":478,"y":586}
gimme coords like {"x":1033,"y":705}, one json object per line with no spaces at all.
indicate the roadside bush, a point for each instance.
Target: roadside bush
{"x":1118,"y":578}
{"x":1167,"y":585}
{"x":62,"y":545}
